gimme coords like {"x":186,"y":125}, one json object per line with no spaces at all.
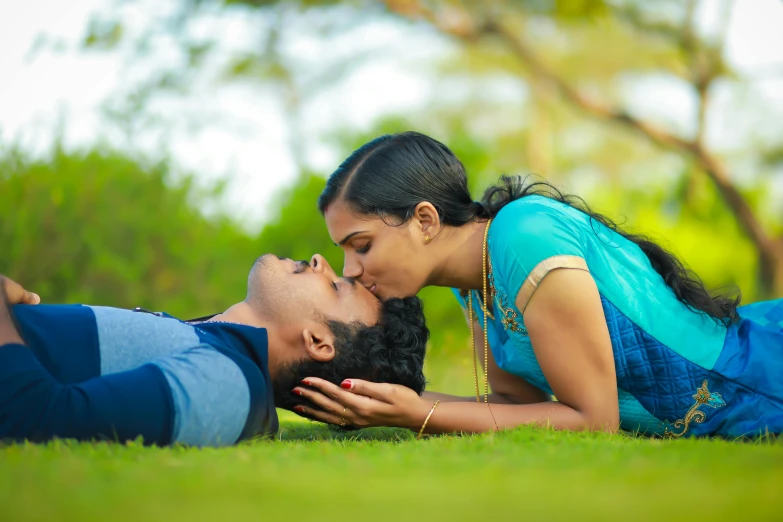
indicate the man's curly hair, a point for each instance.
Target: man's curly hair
{"x":390,"y":351}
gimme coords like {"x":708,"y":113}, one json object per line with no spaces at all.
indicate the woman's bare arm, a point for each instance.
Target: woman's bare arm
{"x":571,"y":341}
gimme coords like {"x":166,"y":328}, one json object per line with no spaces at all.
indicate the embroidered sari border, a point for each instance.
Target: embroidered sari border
{"x":542,"y":269}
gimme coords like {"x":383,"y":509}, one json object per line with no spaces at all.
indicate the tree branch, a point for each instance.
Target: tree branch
{"x":468,"y":30}
{"x":711,"y":165}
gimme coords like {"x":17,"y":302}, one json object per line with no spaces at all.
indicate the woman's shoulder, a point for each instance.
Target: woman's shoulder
{"x":536,"y":207}
{"x":535,"y":223}
{"x":532,"y":236}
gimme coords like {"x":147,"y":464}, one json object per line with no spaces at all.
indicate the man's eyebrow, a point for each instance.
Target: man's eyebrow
{"x":349,"y":236}
{"x":351,"y":281}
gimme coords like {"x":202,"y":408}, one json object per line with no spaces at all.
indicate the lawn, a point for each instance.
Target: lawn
{"x":311,"y":472}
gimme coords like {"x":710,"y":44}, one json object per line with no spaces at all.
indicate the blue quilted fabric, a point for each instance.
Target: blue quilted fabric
{"x":745,"y":385}
{"x":661,"y":380}
{"x":656,"y":385}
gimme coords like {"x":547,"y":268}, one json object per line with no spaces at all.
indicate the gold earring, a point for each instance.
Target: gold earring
{"x":427,"y":239}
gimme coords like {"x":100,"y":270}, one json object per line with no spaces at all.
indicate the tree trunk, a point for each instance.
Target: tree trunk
{"x":771,"y":272}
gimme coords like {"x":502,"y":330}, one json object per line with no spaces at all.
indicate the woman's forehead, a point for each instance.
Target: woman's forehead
{"x":342,"y":220}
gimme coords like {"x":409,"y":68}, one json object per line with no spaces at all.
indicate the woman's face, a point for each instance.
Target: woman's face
{"x":387,"y":260}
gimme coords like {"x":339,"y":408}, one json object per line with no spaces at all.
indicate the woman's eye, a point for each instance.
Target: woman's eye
{"x":364,"y":249}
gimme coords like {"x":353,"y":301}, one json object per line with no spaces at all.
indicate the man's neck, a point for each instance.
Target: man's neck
{"x":240,"y":313}
{"x":243,"y":313}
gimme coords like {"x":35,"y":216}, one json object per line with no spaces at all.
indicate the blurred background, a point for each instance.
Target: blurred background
{"x":150,"y":150}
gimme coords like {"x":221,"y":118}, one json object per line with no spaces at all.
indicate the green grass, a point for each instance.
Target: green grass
{"x":312,"y":473}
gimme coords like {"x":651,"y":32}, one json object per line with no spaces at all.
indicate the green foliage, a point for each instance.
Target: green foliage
{"x":298,"y":230}
{"x":102,"y":34}
{"x":101,"y":228}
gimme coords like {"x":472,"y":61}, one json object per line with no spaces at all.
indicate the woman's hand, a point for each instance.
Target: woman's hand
{"x":15,"y":294}
{"x":362,"y":404}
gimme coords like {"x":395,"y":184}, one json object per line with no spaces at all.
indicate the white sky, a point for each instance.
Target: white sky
{"x":253,"y":151}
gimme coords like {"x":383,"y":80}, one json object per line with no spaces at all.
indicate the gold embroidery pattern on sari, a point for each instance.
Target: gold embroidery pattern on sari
{"x":703,"y":397}
{"x":508,"y":316}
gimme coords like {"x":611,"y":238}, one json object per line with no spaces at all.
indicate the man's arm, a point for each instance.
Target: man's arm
{"x":9,"y":334}
{"x":197,"y":397}
{"x":122,"y":406}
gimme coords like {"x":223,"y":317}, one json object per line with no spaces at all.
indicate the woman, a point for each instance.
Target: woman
{"x":609,"y":323}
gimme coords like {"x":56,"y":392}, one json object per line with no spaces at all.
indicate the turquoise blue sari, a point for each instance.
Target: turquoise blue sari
{"x":679,"y":372}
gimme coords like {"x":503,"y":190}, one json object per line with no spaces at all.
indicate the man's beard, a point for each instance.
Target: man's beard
{"x":267,"y":291}
{"x":287,"y":377}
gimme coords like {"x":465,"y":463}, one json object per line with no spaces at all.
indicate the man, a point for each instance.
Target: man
{"x":83,"y":372}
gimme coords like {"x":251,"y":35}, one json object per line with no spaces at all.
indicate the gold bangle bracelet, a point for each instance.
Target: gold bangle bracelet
{"x":421,"y":431}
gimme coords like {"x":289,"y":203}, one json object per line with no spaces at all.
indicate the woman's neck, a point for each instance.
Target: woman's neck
{"x":460,"y":257}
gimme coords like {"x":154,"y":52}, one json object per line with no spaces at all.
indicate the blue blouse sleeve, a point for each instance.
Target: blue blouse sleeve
{"x":531,"y":237}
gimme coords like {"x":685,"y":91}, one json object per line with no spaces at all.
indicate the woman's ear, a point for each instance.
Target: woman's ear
{"x":428,"y":219}
{"x":319,"y":343}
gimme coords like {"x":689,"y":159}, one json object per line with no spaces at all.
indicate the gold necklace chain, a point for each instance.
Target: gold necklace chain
{"x":471,"y":315}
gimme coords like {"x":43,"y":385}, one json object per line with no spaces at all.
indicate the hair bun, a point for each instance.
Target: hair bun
{"x":478,"y":208}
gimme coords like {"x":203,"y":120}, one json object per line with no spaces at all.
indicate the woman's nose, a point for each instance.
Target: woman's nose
{"x":351,"y":268}
{"x":319,"y":264}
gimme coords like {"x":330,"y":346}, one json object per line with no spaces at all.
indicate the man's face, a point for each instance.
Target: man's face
{"x":292,"y":290}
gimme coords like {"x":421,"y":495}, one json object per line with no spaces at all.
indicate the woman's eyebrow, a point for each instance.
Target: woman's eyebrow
{"x":349,"y":236}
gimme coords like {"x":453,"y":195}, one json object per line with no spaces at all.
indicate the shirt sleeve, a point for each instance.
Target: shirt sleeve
{"x":197,"y":397}
{"x":121,"y":406}
{"x":529,"y":239}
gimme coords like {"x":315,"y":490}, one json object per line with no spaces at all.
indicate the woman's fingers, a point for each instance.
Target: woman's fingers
{"x":315,"y":414}
{"x":337,"y":394}
{"x":358,"y":410}
{"x":320,"y":400}
{"x":380,"y":391}
{"x":364,"y":403}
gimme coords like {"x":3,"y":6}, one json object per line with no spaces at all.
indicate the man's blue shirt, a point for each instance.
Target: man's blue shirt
{"x":107,"y":373}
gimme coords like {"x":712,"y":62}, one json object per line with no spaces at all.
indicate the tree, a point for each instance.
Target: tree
{"x":571,"y":58}
{"x":701,"y":64}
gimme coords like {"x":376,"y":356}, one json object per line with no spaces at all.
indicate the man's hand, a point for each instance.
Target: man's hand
{"x":15,"y":294}
{"x":8,"y":332}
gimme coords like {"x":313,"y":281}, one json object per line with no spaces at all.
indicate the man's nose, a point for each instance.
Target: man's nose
{"x":319,"y":264}
{"x":351,"y":268}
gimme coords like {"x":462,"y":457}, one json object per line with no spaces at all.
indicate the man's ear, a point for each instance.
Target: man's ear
{"x":428,"y":219}
{"x":319,"y":343}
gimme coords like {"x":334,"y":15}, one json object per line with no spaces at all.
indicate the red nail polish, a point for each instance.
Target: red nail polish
{"x":297,"y":392}
{"x":306,"y":382}
{"x":346,"y":384}
{"x":299,"y":409}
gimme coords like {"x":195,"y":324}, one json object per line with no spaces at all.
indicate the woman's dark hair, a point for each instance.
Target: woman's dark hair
{"x":392,"y":174}
{"x":390,"y":351}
